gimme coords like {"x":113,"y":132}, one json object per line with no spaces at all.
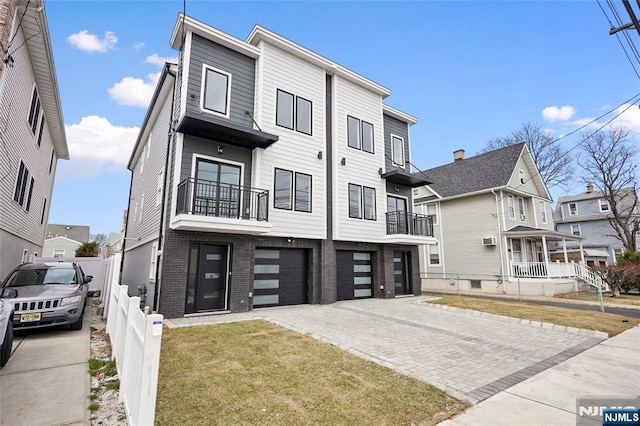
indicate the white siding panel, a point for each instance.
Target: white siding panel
{"x":294,"y":151}
{"x":360,"y":167}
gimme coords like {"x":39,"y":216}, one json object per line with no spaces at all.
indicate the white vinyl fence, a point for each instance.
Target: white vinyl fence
{"x":135,"y":342}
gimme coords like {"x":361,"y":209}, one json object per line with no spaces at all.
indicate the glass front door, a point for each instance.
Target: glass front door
{"x":217,"y":189}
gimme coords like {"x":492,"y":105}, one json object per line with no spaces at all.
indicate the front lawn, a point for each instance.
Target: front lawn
{"x":624,"y":299}
{"x":253,"y":372}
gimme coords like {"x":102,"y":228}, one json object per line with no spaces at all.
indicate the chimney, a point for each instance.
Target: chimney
{"x":589,"y":188}
{"x":458,"y":155}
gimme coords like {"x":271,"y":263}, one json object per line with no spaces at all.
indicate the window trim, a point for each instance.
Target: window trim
{"x":21,"y":184}
{"x":434,"y":216}
{"x":203,"y":83}
{"x":53,"y":152}
{"x":295,"y":192}
{"x":153,"y":262}
{"x":359,"y":198}
{"x":606,"y":202}
{"x":44,"y":210}
{"x":429,"y":252}
{"x":40,"y":131}
{"x":360,"y":141}
{"x":511,"y":207}
{"x":359,"y":137}
{"x":362,"y":214}
{"x":33,"y":114}
{"x":364,"y":205}
{"x":543,"y":212}
{"x":579,"y":229}
{"x":294,"y":112}
{"x":291,"y":185}
{"x":522,"y":209}
{"x":393,"y":151}
{"x":521,"y":176}
{"x":569,"y":209}
{"x":32,"y":183}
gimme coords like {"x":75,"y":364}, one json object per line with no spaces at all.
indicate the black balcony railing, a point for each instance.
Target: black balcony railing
{"x":206,"y":198}
{"x":409,"y":224}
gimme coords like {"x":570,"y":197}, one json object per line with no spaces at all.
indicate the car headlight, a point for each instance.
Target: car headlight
{"x":70,"y":300}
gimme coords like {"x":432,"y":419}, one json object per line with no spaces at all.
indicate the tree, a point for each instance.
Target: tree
{"x":89,"y":249}
{"x":608,"y":161}
{"x":618,"y":276}
{"x":554,"y":163}
{"x":101,"y":239}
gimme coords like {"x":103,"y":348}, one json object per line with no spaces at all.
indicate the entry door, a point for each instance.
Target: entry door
{"x":217,"y":190}
{"x":401,"y":271}
{"x":207,"y":279}
{"x":398,"y":219}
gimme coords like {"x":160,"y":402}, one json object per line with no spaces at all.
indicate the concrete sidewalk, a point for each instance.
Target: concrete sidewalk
{"x":608,"y":370}
{"x":46,"y":381}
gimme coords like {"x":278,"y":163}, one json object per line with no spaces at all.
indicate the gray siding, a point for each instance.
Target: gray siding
{"x":398,"y":128}
{"x":136,"y":268}
{"x":403,"y":191}
{"x":209,"y":148}
{"x":241,"y":68}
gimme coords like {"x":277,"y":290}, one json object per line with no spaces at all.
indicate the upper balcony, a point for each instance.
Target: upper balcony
{"x":408,"y":228}
{"x":207,"y":206}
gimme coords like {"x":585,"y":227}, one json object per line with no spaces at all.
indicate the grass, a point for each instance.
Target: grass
{"x":609,"y":323}
{"x":624,"y":299}
{"x":94,"y":407}
{"x":97,"y":366}
{"x":112,"y":384}
{"x":253,"y":372}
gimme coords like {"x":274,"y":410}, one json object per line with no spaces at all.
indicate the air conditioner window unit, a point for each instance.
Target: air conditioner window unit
{"x":523,"y":217}
{"x":489,"y":241}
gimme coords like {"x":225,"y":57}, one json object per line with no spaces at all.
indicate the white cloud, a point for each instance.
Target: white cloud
{"x":555,"y":113}
{"x":629,"y":119}
{"x":138,"y":45}
{"x":96,"y":147}
{"x":88,"y":42}
{"x":133,"y":91}
{"x":159,"y":61}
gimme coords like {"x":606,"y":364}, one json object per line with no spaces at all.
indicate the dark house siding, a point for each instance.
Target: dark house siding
{"x":398,"y":128}
{"x":241,"y":68}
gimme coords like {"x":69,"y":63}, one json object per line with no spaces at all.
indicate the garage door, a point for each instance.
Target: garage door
{"x":280,"y":277}
{"x":354,"y":275}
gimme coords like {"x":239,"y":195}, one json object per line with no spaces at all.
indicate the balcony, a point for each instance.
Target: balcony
{"x":207,"y":206}
{"x":408,"y":228}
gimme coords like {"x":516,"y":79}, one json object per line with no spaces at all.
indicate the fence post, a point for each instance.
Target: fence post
{"x":458,"y":283}
{"x":519,"y":293}
{"x":149,"y":368}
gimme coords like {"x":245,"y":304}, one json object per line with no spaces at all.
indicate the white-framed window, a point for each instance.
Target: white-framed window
{"x":397,"y":150}
{"x":216,"y":91}
{"x":575,"y":229}
{"x":604,"y":206}
{"x":511,"y":207}
{"x":292,"y":190}
{"x":34,"y":110}
{"x":153,"y":262}
{"x":433,"y":254}
{"x":58,"y":253}
{"x":521,"y":209}
{"x":573,"y":209}
{"x":362,"y":202}
{"x":521,"y":176}
{"x":432,"y":211}
{"x":159,"y":187}
{"x":293,"y":112}
{"x":360,"y":134}
{"x":543,"y":212}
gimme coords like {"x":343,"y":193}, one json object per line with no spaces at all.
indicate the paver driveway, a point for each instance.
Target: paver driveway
{"x":469,"y":357}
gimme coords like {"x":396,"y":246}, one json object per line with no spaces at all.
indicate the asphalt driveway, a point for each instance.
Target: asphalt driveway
{"x":470,"y":356}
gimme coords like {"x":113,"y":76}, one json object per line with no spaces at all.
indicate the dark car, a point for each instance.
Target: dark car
{"x":46,"y":295}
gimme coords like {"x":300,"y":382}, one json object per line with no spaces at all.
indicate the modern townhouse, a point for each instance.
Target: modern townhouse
{"x":32,"y":134}
{"x":265,"y":174}
{"x":588,"y":215}
{"x":493,"y":227}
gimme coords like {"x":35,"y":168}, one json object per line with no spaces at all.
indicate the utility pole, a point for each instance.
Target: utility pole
{"x":634,"y":20}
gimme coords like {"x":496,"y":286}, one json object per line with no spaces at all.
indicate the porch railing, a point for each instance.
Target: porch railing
{"x":206,"y":198}
{"x":409,"y":224}
{"x":556,"y":269}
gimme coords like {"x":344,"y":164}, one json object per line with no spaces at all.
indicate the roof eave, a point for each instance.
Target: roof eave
{"x":396,"y":113}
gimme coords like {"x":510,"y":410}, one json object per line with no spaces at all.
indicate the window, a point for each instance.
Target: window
{"x":159,"y":187}
{"x":153,"y":262}
{"x":432,"y":212}
{"x":39,"y":140}
{"x":58,"y":253}
{"x":476,"y":284}
{"x":53,"y":153}
{"x":291,"y":109}
{"x":22,"y":182}
{"x":44,"y":211}
{"x":359,"y":134}
{"x":433,"y":254}
{"x":397,"y":151}
{"x":573,"y":209}
{"x":362,"y":200}
{"x":575,"y":229}
{"x":27,"y":206}
{"x":604,"y":206}
{"x":521,"y":208}
{"x":543,"y":212}
{"x":292,"y":191}
{"x":521,"y":176}
{"x":511,"y":207}
{"x":216,"y":90}
{"x":34,"y":110}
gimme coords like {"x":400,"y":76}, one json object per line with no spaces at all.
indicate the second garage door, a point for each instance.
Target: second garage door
{"x":280,"y":277}
{"x":354,"y":275}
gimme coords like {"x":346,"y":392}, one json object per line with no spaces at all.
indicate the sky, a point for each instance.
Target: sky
{"x":469,"y":71}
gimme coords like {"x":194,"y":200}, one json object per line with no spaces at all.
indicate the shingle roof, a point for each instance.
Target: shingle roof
{"x":485,"y":171}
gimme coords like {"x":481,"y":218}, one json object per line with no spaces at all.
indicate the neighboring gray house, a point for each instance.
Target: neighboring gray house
{"x":32,"y":134}
{"x":493,"y":227}
{"x":73,"y":232}
{"x":587,"y":215}
{"x":284,"y":180}
{"x":60,"y":247}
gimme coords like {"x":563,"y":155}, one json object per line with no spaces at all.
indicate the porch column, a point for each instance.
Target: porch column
{"x":564,"y":249}
{"x":581,"y":253}
{"x":546,"y":255}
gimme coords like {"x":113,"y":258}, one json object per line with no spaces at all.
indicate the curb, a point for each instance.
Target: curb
{"x":536,"y":324}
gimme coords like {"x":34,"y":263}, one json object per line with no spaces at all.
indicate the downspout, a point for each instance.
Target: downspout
{"x":163,"y":209}
{"x":499,"y":242}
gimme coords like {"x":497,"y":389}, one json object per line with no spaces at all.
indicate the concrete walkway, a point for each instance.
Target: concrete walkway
{"x":46,"y":381}
{"x":470,"y":356}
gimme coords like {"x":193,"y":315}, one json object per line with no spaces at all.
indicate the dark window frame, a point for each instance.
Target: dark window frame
{"x":227,"y":100}
{"x":44,"y":210}
{"x":359,"y":199}
{"x":34,"y":110}
{"x":275,"y":192}
{"x":22,"y":181}
{"x":53,"y":152}
{"x":293,"y":191}
{"x":360,"y":142}
{"x":39,"y":139}
{"x":294,"y":112}
{"x":362,"y":205}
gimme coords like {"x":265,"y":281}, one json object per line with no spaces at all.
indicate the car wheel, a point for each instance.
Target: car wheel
{"x":5,"y":349}
{"x":78,"y":324}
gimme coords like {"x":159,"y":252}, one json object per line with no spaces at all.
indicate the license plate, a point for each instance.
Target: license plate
{"x":30,"y":317}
